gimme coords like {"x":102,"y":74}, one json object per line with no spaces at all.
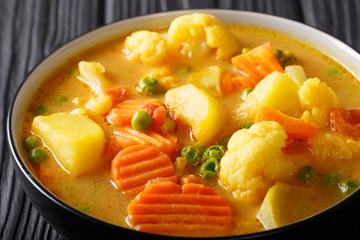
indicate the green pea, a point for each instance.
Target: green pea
{"x":84,"y":208}
{"x":148,"y":85}
{"x":247,"y":125}
{"x":307,"y":174}
{"x":209,"y":169}
{"x":31,"y":142}
{"x":348,"y":186}
{"x":38,"y":155}
{"x":285,"y":58}
{"x":224,"y":140}
{"x":184,"y":70}
{"x":331,"y":179}
{"x":60,"y":99}
{"x":215,"y":151}
{"x":39,"y":110}
{"x":191,"y":154}
{"x":200,"y":147}
{"x":141,"y":121}
{"x":245,"y":50}
{"x":333,"y":71}
{"x":168,"y":125}
{"x":246,"y":93}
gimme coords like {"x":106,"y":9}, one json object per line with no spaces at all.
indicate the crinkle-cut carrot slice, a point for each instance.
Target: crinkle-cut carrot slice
{"x":346,"y":121}
{"x":158,"y":116}
{"x":191,"y":210}
{"x":123,"y":112}
{"x":120,"y":116}
{"x":134,"y":166}
{"x":190,"y":179}
{"x":123,"y":138}
{"x":257,"y":63}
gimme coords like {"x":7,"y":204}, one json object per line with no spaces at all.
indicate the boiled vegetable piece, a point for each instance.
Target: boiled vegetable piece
{"x":284,"y":204}
{"x":276,"y":91}
{"x":296,"y":73}
{"x":294,"y":127}
{"x":91,"y":73}
{"x":134,"y":166}
{"x":100,"y":104}
{"x":258,"y":62}
{"x":203,"y":113}
{"x":208,"y":79}
{"x":190,"y":210}
{"x":76,"y":141}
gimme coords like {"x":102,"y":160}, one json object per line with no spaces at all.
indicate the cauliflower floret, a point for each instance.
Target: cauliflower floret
{"x":332,"y":151}
{"x":92,"y":73}
{"x":317,"y":99}
{"x":198,"y":32}
{"x":254,"y":161}
{"x":330,"y":145}
{"x":148,"y":47}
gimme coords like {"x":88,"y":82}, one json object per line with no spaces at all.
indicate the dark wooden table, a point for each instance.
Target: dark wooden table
{"x":31,"y":29}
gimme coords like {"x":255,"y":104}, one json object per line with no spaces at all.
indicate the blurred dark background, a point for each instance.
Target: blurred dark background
{"x":31,"y":29}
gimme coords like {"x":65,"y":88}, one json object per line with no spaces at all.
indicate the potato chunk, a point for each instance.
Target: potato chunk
{"x":284,"y":204}
{"x":277,"y":91}
{"x":208,"y":79}
{"x":203,"y":113}
{"x":76,"y":141}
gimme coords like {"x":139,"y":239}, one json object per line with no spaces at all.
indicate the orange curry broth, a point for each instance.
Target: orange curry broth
{"x":94,"y":193}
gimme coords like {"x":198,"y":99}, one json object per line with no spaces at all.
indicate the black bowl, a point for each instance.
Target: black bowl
{"x":74,"y":224}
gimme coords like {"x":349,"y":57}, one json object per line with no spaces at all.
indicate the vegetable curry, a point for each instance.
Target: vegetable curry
{"x":216,"y":129}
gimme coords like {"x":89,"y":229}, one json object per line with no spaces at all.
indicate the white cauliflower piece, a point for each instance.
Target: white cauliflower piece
{"x":333,"y":151}
{"x":197,"y":33}
{"x":330,"y":145}
{"x":316,"y":98}
{"x":91,"y":73}
{"x":254,"y":162}
{"x":145,"y":46}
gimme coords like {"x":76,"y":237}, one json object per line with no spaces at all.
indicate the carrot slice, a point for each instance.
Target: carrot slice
{"x":230,"y":83}
{"x":346,"y":121}
{"x":191,"y":210}
{"x":158,"y":117}
{"x":124,"y":138}
{"x":257,"y":63}
{"x":123,"y":112}
{"x":245,"y":82}
{"x":134,"y":166}
{"x":294,"y":127}
{"x":117,"y":94}
{"x":227,"y":84}
{"x":190,"y":179}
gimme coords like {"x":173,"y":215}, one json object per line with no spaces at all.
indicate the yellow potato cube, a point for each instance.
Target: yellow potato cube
{"x":296,"y":73}
{"x":277,"y":91}
{"x":202,"y":112}
{"x":208,"y":79}
{"x":284,"y":204}
{"x":76,"y":141}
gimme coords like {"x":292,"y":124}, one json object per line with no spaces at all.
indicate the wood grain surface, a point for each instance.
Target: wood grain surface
{"x":31,"y":29}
